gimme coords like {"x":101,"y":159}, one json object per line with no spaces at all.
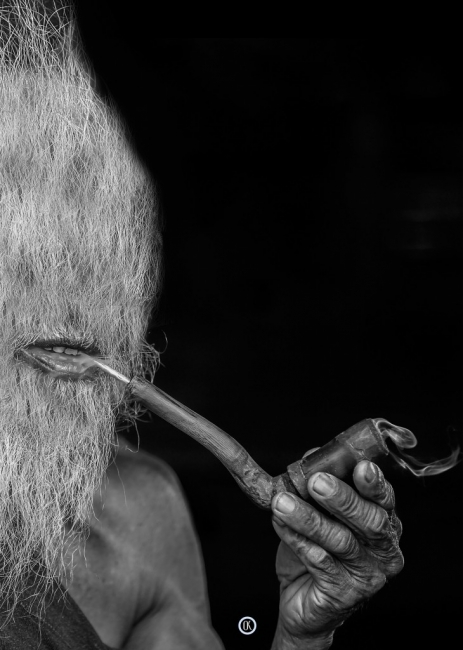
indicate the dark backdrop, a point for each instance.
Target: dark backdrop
{"x":310,"y":190}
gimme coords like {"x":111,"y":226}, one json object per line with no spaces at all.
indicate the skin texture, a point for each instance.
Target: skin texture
{"x":329,"y":565}
{"x":80,"y":257}
{"x":141,"y":583}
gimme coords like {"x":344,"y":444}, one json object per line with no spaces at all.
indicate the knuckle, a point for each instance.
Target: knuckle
{"x":317,"y":555}
{"x":348,"y":503}
{"x":389,"y":554}
{"x":395,"y":521}
{"x":298,"y":544}
{"x":385,"y":494}
{"x":395,"y":565}
{"x":343,"y":543}
{"x":390,"y":496}
{"x":378,"y":581}
{"x":398,"y":527}
{"x":400,"y":562}
{"x":377,"y":522}
{"x":371,"y":584}
{"x":320,"y":556}
{"x":307,"y":517}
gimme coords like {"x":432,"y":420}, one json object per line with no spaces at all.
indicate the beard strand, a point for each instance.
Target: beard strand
{"x":80,"y":257}
{"x":57,"y":441}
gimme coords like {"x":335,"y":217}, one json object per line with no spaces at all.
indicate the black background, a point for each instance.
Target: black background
{"x":310,"y":191}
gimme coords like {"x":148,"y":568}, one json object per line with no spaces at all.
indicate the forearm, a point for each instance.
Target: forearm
{"x":284,"y":641}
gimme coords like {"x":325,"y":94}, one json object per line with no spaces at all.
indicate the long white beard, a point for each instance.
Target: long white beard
{"x":80,"y":257}
{"x":55,"y":444}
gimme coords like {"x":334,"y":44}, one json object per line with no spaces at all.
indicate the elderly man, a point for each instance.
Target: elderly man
{"x":97,"y":548}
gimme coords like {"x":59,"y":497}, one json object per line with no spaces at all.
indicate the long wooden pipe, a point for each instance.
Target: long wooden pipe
{"x":364,"y":440}
{"x":339,"y":457}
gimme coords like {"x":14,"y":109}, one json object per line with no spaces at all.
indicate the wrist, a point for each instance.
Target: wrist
{"x":284,"y":640}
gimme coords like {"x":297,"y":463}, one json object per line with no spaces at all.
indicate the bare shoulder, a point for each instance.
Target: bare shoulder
{"x":139,"y":482}
{"x":145,"y":506}
{"x":145,"y":495}
{"x":146,"y":513}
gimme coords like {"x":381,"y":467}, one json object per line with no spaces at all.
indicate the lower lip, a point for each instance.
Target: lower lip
{"x":59,"y":365}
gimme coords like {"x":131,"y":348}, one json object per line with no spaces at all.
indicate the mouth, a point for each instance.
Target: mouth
{"x":65,"y":359}
{"x":70,"y":346}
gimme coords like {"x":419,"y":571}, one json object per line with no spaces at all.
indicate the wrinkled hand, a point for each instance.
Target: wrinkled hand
{"x":328,"y":567}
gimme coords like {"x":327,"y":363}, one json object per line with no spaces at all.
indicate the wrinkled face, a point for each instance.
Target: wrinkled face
{"x":79,"y":266}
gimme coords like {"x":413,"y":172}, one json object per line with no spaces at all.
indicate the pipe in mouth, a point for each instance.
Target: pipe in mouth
{"x":59,"y":361}
{"x":362,"y":441}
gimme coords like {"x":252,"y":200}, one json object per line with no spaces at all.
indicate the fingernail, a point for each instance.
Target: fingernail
{"x":370,"y":473}
{"x":324,"y":485}
{"x":285,"y":504}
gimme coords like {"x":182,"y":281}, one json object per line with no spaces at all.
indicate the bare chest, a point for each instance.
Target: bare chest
{"x":104,"y":588}
{"x":107,"y":580}
{"x":130,"y":562}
